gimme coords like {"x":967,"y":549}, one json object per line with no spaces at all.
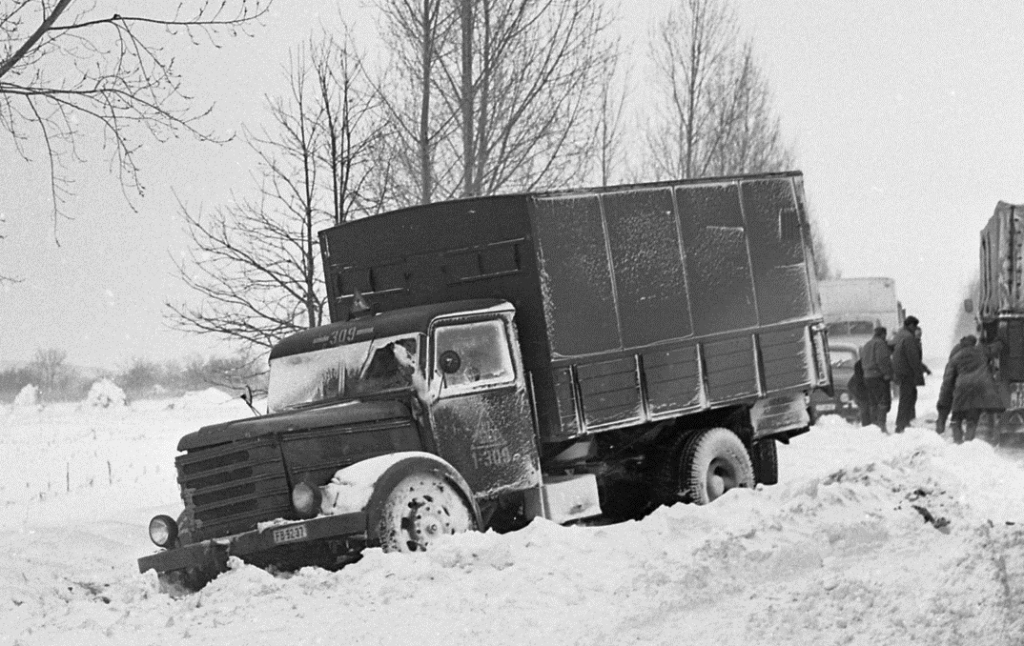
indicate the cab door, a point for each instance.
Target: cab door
{"x":480,"y":409}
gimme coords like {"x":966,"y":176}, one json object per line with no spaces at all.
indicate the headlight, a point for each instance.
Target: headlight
{"x":306,"y":500}
{"x":844,"y":397}
{"x":163,"y":531}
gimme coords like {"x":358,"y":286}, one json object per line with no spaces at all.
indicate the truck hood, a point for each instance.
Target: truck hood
{"x":336,"y":414}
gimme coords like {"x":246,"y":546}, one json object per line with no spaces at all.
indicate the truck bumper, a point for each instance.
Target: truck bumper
{"x":213,"y":554}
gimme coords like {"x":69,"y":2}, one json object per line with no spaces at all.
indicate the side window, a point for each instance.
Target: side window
{"x":468,"y":356}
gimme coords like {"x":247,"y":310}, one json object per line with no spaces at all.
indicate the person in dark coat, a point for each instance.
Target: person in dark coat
{"x":907,"y":371}
{"x":974,"y":391}
{"x":945,"y":402}
{"x":858,"y":389}
{"x":875,"y":358}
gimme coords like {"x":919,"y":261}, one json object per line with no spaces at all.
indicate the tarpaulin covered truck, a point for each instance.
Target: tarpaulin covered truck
{"x":1001,"y":308}
{"x":566,"y":355}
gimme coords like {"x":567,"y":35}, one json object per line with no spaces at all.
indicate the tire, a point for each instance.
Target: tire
{"x":703,"y":466}
{"x":422,"y":507}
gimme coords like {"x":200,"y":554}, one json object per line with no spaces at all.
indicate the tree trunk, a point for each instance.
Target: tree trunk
{"x":427,"y":53}
{"x":466,"y":102}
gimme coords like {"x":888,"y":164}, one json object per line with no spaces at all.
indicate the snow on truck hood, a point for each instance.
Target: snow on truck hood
{"x":349,"y":412}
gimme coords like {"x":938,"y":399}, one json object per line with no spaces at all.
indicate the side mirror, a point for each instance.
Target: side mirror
{"x":968,"y":305}
{"x":247,"y":398}
{"x":450,"y":362}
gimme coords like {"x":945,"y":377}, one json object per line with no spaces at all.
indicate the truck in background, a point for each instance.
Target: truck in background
{"x":563,"y":355}
{"x":853,"y":308}
{"x":1000,"y":310}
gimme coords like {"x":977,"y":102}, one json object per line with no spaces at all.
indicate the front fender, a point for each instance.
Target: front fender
{"x":385,"y":472}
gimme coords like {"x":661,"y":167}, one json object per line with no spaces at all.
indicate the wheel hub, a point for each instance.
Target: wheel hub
{"x":720,"y":478}
{"x":429,"y":520}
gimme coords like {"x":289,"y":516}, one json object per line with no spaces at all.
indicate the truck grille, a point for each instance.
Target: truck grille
{"x":229,"y":488}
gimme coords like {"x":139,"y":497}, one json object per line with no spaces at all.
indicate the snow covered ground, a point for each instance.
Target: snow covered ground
{"x":868,"y":539}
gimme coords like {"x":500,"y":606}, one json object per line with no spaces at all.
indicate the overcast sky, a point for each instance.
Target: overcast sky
{"x":904,"y":116}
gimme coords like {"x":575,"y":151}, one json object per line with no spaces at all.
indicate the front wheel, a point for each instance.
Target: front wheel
{"x":705,"y":465}
{"x":422,"y":507}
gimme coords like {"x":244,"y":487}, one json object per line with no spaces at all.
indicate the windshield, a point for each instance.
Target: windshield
{"x":351,"y":370}
{"x":851,"y":328}
{"x":842,"y":357}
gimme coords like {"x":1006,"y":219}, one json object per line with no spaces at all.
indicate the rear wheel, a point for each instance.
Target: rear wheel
{"x":421,"y":508}
{"x":703,"y":466}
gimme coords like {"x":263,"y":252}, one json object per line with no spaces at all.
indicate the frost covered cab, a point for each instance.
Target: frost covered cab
{"x":564,"y":355}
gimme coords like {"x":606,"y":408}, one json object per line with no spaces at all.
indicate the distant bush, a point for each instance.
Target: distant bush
{"x":50,"y":373}
{"x":13,"y":381}
{"x":56,"y":380}
{"x":232,"y":373}
{"x":143,"y":378}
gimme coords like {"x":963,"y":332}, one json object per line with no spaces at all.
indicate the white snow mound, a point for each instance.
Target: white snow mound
{"x":28,"y":397}
{"x":105,"y":394}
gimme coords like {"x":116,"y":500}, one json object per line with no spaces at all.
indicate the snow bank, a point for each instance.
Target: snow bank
{"x":28,"y":397}
{"x":868,"y":539}
{"x":105,"y":394}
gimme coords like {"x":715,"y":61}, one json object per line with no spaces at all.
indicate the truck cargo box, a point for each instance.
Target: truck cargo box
{"x":1002,"y":258}
{"x":1001,"y":295}
{"x":634,"y":303}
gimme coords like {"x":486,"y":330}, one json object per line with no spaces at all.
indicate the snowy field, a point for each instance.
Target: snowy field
{"x":869,"y":539}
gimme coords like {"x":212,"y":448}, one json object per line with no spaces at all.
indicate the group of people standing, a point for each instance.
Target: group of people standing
{"x":880,"y":366}
{"x":967,"y":393}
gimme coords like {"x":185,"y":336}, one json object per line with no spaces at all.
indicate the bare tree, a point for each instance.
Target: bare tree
{"x":50,"y":367}
{"x":68,"y":66}
{"x":354,"y":131}
{"x":418,"y":34}
{"x":610,"y":125}
{"x":715,"y":114}
{"x":255,"y":264}
{"x":506,"y":91}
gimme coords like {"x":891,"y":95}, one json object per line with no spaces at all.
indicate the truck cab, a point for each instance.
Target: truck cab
{"x":457,"y":365}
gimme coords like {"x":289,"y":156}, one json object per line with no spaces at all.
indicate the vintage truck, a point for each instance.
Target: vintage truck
{"x":565,"y":355}
{"x":853,"y":308}
{"x":1000,"y":310}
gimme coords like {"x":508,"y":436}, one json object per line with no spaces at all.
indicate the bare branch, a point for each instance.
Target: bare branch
{"x":63,"y":74}
{"x":255,"y":264}
{"x":715,"y":115}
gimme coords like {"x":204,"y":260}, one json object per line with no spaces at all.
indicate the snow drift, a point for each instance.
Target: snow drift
{"x":868,"y":539}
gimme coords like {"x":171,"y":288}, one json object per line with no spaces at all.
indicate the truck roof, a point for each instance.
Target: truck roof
{"x":384,"y":324}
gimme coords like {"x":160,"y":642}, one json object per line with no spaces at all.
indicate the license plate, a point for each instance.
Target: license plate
{"x":826,"y":406}
{"x":290,"y":534}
